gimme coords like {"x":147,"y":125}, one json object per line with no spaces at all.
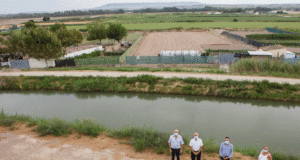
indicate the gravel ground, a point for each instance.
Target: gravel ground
{"x":161,"y":74}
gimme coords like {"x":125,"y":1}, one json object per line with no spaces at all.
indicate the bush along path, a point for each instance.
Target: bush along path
{"x":141,"y":138}
{"x":151,"y":84}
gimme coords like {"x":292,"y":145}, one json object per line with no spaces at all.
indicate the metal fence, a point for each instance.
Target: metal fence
{"x":19,"y":64}
{"x":292,"y":61}
{"x":97,"y":61}
{"x":279,"y":31}
{"x":64,"y":63}
{"x":171,"y":59}
{"x":247,"y":41}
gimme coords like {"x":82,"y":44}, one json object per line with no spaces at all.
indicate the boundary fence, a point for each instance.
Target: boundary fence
{"x":130,"y":49}
{"x":246,"y":40}
{"x":97,"y":61}
{"x":172,"y":59}
{"x":279,"y":31}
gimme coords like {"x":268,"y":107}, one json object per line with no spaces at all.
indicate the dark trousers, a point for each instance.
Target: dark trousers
{"x":224,"y":159}
{"x":175,"y":152}
{"x":193,"y":156}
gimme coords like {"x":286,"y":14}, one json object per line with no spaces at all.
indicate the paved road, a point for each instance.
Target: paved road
{"x":161,"y":74}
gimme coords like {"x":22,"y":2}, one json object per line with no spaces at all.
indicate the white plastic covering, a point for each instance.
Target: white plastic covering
{"x":4,"y":63}
{"x":87,"y":51}
{"x":34,"y":63}
{"x":289,"y":55}
{"x":179,"y":53}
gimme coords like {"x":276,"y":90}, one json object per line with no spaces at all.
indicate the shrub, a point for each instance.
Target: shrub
{"x":211,"y":146}
{"x":56,"y":127}
{"x":88,"y":127}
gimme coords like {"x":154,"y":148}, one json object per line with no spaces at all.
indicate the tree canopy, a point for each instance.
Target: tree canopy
{"x":116,"y":31}
{"x":41,"y":43}
{"x":46,"y":18}
{"x":69,"y":37}
{"x":30,"y":24}
{"x":57,"y":26}
{"x":96,"y":31}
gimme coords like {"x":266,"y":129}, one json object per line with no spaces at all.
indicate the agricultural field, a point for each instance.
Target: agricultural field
{"x":186,"y":25}
{"x":198,"y":17}
{"x":288,"y":40}
{"x":244,"y":33}
{"x":154,"y":43}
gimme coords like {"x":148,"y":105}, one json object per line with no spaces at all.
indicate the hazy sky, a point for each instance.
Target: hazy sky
{"x":19,"y":6}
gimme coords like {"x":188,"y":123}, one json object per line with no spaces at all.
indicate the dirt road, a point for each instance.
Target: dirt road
{"x":23,"y":144}
{"x":160,"y":74}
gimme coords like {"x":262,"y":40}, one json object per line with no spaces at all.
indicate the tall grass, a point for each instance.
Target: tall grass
{"x":141,"y":138}
{"x":253,"y":65}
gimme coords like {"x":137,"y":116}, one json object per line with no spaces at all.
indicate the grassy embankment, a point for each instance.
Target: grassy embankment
{"x":152,"y":84}
{"x":140,"y":138}
{"x":273,"y":67}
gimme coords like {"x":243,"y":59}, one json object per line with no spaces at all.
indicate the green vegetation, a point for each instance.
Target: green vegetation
{"x":291,"y":30}
{"x":225,"y":51}
{"x":274,"y":39}
{"x":5,"y":33}
{"x":152,"y":84}
{"x":196,"y":25}
{"x":140,"y":138}
{"x":96,"y":31}
{"x":266,"y":67}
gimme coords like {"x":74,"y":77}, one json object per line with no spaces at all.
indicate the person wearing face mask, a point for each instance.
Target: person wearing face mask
{"x":196,"y":147}
{"x":226,"y":149}
{"x":264,"y":154}
{"x":175,"y":144}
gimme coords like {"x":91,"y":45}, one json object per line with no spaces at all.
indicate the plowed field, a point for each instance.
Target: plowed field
{"x":153,"y":43}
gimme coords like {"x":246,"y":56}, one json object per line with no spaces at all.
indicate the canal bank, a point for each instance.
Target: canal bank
{"x":20,"y":143}
{"x":247,"y":122}
{"x":151,"y":84}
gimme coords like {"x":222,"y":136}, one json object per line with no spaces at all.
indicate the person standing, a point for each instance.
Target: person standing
{"x":196,"y":147}
{"x":264,"y":154}
{"x":175,"y":144}
{"x":226,"y":149}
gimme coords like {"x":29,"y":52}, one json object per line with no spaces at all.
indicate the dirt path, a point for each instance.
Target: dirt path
{"x":25,"y":144}
{"x":161,"y":74}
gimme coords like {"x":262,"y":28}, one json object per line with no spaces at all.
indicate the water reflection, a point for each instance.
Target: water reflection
{"x":154,"y":97}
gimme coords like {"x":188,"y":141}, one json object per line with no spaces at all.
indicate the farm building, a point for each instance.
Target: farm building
{"x":277,"y":51}
{"x":289,"y":55}
{"x":260,"y":54}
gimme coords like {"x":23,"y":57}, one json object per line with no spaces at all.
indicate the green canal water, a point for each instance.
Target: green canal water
{"x":246,"y":122}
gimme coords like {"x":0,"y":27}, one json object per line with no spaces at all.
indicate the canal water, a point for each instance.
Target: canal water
{"x":246,"y":122}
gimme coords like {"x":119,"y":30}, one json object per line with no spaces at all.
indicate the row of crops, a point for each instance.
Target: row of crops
{"x":288,"y":40}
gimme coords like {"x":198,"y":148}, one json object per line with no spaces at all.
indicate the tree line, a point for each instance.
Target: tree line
{"x":44,"y":43}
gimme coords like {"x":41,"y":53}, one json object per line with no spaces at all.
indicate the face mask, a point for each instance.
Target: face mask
{"x":226,"y":142}
{"x":265,"y":151}
{"x":175,"y":134}
{"x":195,"y":137}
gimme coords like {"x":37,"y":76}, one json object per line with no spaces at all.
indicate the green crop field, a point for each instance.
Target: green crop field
{"x":185,"y":25}
{"x":186,"y":17}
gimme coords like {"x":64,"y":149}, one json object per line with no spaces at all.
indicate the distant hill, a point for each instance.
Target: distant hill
{"x":133,"y":6}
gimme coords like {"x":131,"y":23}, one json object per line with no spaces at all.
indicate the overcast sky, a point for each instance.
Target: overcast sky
{"x":21,"y":6}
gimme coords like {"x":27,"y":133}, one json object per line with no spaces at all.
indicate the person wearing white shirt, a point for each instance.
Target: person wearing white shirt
{"x":196,"y":147}
{"x":265,"y":154}
{"x":175,"y":144}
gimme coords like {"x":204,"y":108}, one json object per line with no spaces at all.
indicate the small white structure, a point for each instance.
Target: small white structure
{"x":289,"y":55}
{"x":35,"y":63}
{"x":87,"y":51}
{"x":179,"y":53}
{"x":260,"y":53}
{"x":218,"y":13}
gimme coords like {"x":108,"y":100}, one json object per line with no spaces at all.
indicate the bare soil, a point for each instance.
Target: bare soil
{"x":25,"y":144}
{"x":155,"y":42}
